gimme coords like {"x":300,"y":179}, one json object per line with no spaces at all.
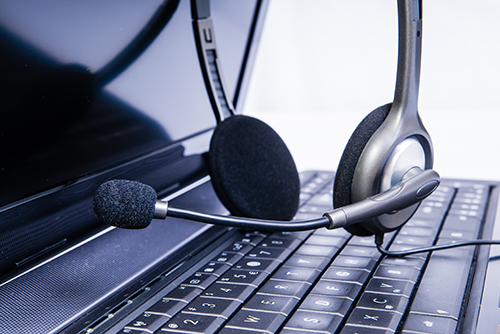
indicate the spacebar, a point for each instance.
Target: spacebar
{"x":442,"y":287}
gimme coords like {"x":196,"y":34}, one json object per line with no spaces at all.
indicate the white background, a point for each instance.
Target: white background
{"x":323,"y":65}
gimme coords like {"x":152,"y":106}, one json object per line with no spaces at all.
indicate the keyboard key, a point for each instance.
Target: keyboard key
{"x":214,"y":268}
{"x":397,"y":272}
{"x":166,"y":307}
{"x":374,"y":318}
{"x":414,"y":241}
{"x":383,"y":301}
{"x":443,"y":284}
{"x":256,"y":320}
{"x":249,"y":263}
{"x":304,"y":261}
{"x":252,"y":238}
{"x":407,"y":261}
{"x":337,"y":232}
{"x":354,"y":262}
{"x":339,"y":289}
{"x":452,"y":236}
{"x":418,"y":222}
{"x":199,"y":280}
{"x":301,"y":235}
{"x":371,"y":252}
{"x":237,"y":276}
{"x":183,"y":293}
{"x":147,"y":322}
{"x":362,"y":241}
{"x":428,"y":324}
{"x":193,"y":323}
{"x":272,"y":241}
{"x":227,"y":330}
{"x":325,"y":240}
{"x":285,"y":288}
{"x":317,"y":250}
{"x":417,"y":231}
{"x":327,"y":304}
{"x":386,"y":285}
{"x":297,"y":274}
{"x":462,"y":224}
{"x":212,"y":306}
{"x":241,"y":276}
{"x":271,"y":303}
{"x":229,"y":291}
{"x":134,"y":331}
{"x":471,"y":196}
{"x":357,"y":276}
{"x":478,"y":214}
{"x":279,"y":254}
{"x":365,"y":330}
{"x":311,"y":320}
{"x":239,"y":247}
{"x":429,"y":211}
{"x":229,"y":258}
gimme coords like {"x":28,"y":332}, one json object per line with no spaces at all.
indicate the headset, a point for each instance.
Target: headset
{"x":389,"y":148}
{"x":384,"y":173}
{"x":387,"y":144}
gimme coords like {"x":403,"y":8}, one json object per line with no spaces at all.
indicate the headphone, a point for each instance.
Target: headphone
{"x":254,"y":174}
{"x":383,"y":175}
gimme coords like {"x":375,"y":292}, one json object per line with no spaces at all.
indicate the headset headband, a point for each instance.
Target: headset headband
{"x":409,"y":53}
{"x":209,"y":60}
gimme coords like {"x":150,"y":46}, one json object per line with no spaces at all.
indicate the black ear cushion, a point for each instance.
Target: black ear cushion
{"x":349,"y":160}
{"x":252,"y":170}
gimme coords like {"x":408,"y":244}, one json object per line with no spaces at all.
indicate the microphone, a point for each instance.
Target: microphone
{"x":133,"y":205}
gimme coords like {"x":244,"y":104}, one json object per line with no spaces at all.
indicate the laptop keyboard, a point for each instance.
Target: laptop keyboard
{"x":327,"y":281}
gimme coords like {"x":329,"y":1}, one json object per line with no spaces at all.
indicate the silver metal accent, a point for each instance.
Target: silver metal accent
{"x":161,"y":209}
{"x":416,"y":186}
{"x":407,"y":155}
{"x":337,"y":218}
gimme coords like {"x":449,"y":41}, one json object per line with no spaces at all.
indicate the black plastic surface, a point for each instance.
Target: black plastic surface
{"x":53,"y":295}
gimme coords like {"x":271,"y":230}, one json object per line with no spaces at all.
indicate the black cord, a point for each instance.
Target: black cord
{"x":249,"y":223}
{"x":379,"y":240}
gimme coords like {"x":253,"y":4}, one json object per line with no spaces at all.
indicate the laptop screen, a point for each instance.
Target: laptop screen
{"x":92,"y":91}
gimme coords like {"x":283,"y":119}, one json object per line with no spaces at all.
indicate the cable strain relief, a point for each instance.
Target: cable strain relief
{"x":379,"y":239}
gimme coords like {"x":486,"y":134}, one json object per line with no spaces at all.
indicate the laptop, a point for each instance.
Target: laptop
{"x":94,"y":91}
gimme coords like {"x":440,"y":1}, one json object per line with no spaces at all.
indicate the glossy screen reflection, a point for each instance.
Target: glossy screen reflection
{"x":61,"y":122}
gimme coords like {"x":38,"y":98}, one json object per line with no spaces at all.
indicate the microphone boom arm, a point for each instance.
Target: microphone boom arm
{"x":249,"y":223}
{"x":410,"y":191}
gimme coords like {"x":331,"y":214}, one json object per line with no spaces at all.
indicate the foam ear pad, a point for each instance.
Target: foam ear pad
{"x":252,"y":170}
{"x":350,"y":157}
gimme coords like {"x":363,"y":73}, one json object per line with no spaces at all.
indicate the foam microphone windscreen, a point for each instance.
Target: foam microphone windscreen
{"x":125,"y":204}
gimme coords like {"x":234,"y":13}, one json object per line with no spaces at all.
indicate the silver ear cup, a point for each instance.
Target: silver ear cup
{"x":400,"y":144}
{"x":407,"y":155}
{"x":384,"y":147}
